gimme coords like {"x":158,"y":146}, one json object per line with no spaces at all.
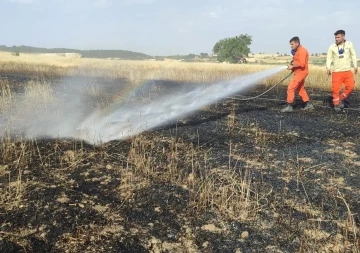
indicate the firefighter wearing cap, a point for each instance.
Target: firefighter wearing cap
{"x":342,"y":56}
{"x":300,"y":68}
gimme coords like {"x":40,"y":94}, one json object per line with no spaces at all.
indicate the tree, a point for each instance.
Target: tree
{"x":203,"y":55}
{"x":234,"y":49}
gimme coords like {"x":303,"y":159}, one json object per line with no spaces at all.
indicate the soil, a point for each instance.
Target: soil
{"x":73,"y":197}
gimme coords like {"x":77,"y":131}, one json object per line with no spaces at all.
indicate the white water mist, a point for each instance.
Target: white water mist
{"x":68,"y":116}
{"x":122,"y":123}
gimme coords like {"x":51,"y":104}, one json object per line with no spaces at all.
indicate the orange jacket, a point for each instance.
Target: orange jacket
{"x":301,"y":58}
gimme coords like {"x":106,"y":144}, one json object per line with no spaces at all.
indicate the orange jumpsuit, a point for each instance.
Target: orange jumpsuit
{"x":297,"y":83}
{"x":339,"y":78}
{"x":341,"y":70}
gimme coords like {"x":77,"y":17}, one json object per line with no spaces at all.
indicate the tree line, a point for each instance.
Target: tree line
{"x":123,"y":54}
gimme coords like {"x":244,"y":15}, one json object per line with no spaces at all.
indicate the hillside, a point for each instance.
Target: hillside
{"x":123,"y":54}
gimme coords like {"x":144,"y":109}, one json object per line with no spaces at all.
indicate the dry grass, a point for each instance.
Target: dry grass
{"x":183,"y":164}
{"x":136,"y":71}
{"x":132,"y":70}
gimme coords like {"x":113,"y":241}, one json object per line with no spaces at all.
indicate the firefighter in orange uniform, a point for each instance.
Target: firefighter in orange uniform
{"x":301,"y":70}
{"x":343,"y":57}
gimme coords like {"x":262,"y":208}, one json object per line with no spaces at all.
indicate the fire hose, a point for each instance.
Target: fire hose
{"x":272,"y":87}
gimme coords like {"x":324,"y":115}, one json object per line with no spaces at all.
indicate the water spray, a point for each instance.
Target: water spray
{"x":120,"y":124}
{"x":68,"y":115}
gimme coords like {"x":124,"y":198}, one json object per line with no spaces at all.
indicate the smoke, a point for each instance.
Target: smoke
{"x":67,"y":110}
{"x":47,"y":110}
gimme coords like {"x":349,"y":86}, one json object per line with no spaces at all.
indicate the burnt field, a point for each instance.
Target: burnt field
{"x":236,"y":176}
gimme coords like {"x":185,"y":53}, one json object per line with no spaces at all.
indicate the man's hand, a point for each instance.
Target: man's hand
{"x":290,"y":67}
{"x":328,"y":71}
{"x":355,"y":70}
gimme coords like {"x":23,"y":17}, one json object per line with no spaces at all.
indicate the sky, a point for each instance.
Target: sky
{"x":170,"y":27}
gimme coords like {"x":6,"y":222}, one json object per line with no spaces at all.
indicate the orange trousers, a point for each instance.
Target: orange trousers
{"x":339,"y":78}
{"x":297,"y":84}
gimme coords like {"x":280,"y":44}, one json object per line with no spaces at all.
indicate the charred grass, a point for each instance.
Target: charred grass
{"x":236,"y":176}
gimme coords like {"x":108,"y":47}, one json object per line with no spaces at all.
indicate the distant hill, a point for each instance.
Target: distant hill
{"x":202,"y":57}
{"x":121,"y":54}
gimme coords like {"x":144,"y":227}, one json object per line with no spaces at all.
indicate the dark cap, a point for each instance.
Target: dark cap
{"x":342,"y":32}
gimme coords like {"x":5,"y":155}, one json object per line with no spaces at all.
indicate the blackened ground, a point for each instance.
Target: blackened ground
{"x":73,"y":199}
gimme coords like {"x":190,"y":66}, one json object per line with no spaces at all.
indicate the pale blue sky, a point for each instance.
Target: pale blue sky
{"x":163,"y":27}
